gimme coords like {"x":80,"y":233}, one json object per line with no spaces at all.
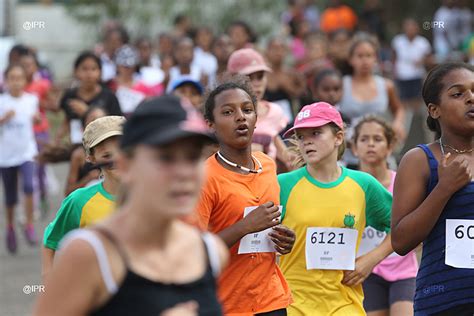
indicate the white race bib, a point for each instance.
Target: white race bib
{"x":75,"y":131}
{"x":371,"y":239}
{"x":460,"y":243}
{"x":256,"y":242}
{"x":329,"y":248}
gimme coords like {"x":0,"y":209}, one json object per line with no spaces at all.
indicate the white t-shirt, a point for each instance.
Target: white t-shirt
{"x":17,"y":139}
{"x":175,"y":73}
{"x":109,"y":69}
{"x":409,"y":53}
{"x":442,"y":43}
{"x":207,"y":62}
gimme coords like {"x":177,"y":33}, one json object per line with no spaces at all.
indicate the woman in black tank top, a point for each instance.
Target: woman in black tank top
{"x":144,"y":260}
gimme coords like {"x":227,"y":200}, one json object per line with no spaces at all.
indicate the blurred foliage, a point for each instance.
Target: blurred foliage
{"x":152,"y":16}
{"x":143,"y":16}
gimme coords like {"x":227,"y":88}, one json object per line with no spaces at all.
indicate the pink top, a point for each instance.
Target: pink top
{"x":268,"y":127}
{"x":395,"y":267}
{"x":298,"y":49}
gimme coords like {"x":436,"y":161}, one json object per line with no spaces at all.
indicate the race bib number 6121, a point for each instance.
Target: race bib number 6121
{"x":330,"y":248}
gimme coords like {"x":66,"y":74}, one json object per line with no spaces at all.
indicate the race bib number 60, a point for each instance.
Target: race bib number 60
{"x":330,"y":248}
{"x":460,"y":243}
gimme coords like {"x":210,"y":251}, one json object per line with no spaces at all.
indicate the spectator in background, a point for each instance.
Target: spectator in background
{"x":372,"y":19}
{"x":316,"y":59}
{"x":43,"y":71}
{"x":241,"y":35}
{"x":88,"y":93}
{"x":327,"y":87}
{"x":339,"y":44}
{"x":445,"y":38}
{"x":82,"y":173}
{"x":16,"y":52}
{"x":18,"y":111}
{"x":14,"y":56}
{"x":338,"y":16}
{"x":145,"y":54}
{"x":294,"y":12}
{"x":299,"y":29}
{"x":128,"y":90}
{"x":222,"y":48}
{"x":39,"y":87}
{"x":107,"y":26}
{"x":366,"y":93}
{"x":284,"y":84}
{"x":113,"y":39}
{"x":184,"y":55}
{"x":203,"y":58}
{"x":271,"y":118}
{"x":150,"y":74}
{"x":190,"y":90}
{"x":464,"y":21}
{"x":311,"y":14}
{"x":182,"y":26}
{"x":299,"y":10}
{"x":147,"y":81}
{"x":411,"y":51}
{"x":468,"y":49}
{"x":165,"y":45}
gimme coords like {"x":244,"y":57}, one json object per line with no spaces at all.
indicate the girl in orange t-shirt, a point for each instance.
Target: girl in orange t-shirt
{"x":240,"y":202}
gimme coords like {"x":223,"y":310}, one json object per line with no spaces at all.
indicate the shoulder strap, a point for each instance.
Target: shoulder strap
{"x":110,"y":237}
{"x":98,"y":247}
{"x":212,"y":254}
{"x":433,"y":163}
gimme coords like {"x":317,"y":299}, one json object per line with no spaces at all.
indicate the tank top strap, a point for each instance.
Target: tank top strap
{"x":212,"y":253}
{"x":381,"y":85}
{"x":433,"y":164}
{"x":382,"y":93}
{"x":94,"y":241}
{"x":113,"y":240}
{"x":347,"y":85}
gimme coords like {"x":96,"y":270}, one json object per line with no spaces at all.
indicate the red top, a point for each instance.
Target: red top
{"x":40,"y":87}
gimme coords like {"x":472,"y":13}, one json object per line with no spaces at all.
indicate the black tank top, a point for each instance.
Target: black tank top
{"x":140,"y":296}
{"x":276,"y":95}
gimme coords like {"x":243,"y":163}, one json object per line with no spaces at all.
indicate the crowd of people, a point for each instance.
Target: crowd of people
{"x":210,"y":174}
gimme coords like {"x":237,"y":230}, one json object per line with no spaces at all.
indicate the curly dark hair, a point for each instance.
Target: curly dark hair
{"x":229,"y":82}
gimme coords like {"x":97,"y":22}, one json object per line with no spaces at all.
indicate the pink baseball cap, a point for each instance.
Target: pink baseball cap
{"x":316,"y":115}
{"x":246,"y":61}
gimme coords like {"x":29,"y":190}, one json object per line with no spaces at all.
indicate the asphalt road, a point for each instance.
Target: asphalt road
{"x":20,"y":274}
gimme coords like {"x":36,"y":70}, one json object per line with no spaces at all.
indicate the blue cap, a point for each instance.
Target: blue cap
{"x":187,"y":80}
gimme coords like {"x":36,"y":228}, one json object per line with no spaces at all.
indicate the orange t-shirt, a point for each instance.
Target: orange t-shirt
{"x":341,"y":17}
{"x":252,"y":283}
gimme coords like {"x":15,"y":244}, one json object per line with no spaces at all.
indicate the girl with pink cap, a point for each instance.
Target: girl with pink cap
{"x":271,"y":118}
{"x":328,"y":207}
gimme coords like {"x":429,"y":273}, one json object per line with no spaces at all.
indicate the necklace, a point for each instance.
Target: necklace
{"x":233,"y":164}
{"x":457,"y":151}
